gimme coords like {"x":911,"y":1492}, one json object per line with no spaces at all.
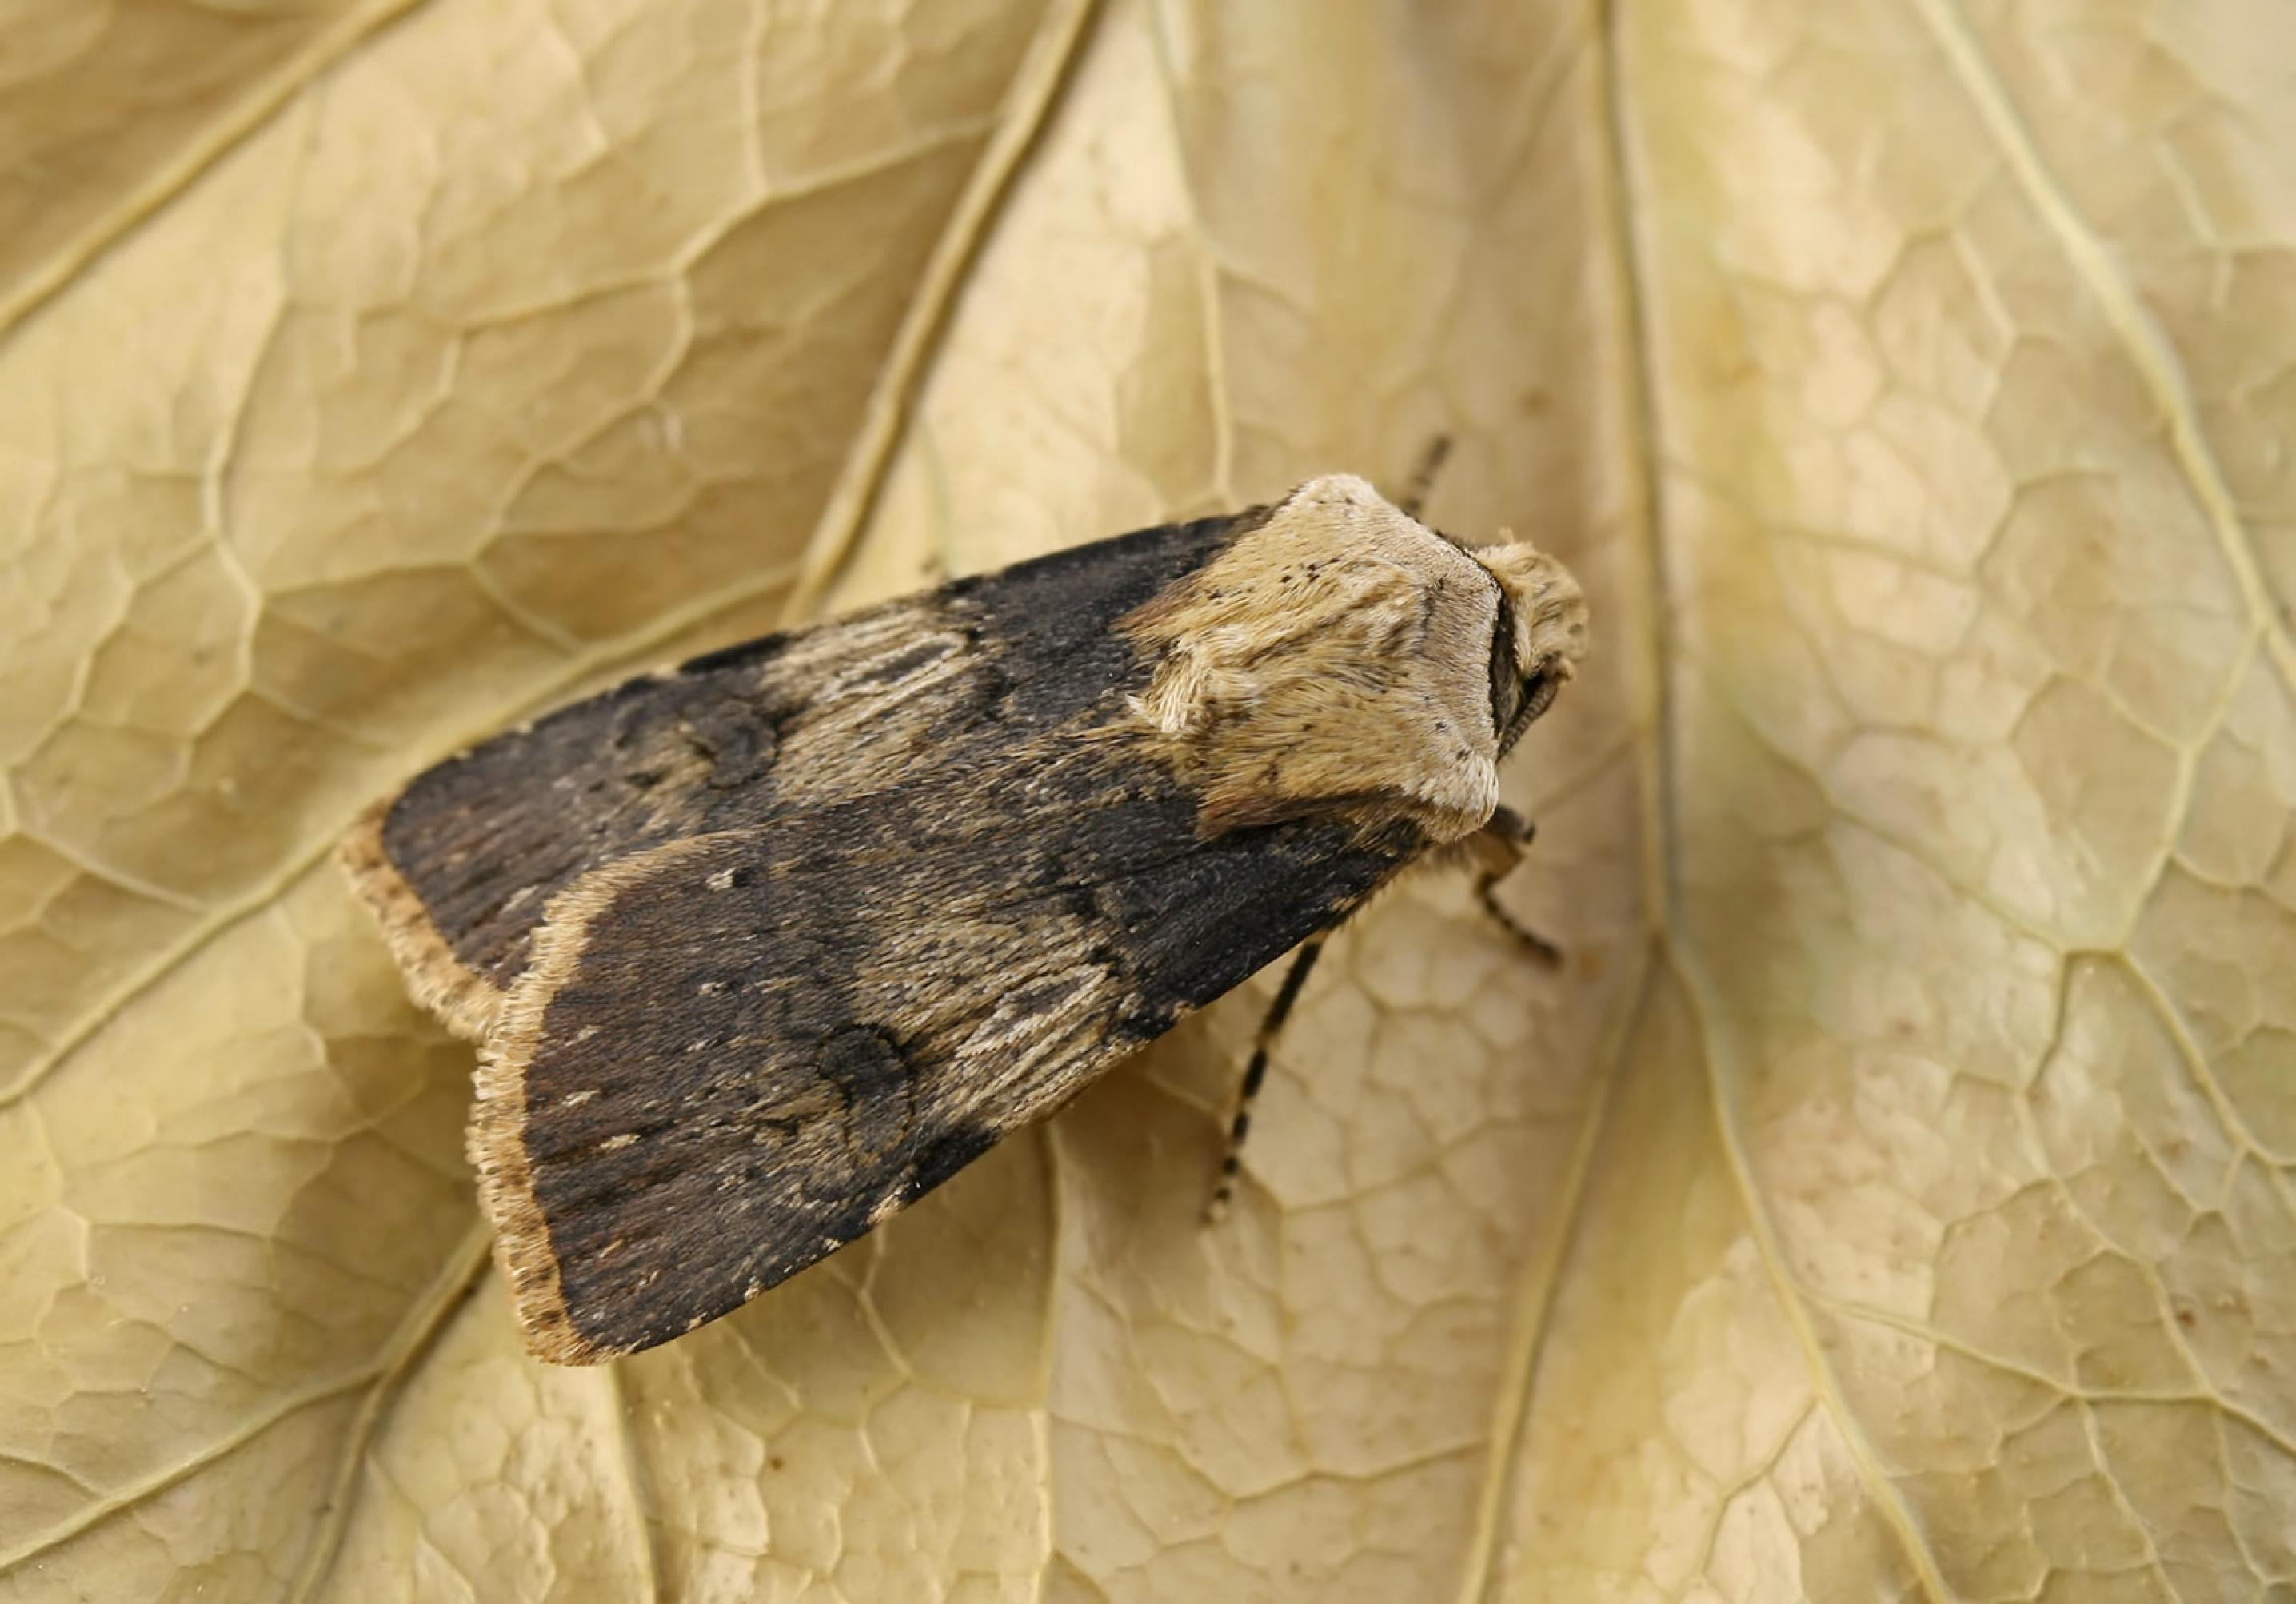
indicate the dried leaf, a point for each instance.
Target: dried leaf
{"x":1893,"y":1198}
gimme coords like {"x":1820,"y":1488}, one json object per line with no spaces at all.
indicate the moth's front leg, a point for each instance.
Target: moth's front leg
{"x":1495,"y":850}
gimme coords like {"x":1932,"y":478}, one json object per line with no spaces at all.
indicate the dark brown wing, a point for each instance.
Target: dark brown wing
{"x":740,"y":1050}
{"x":460,"y":866}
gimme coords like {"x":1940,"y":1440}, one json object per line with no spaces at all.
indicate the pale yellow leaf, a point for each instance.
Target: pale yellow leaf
{"x":1893,"y":1197}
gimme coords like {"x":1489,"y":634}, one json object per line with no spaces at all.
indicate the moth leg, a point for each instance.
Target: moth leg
{"x":1256,"y":1072}
{"x":1496,"y":848}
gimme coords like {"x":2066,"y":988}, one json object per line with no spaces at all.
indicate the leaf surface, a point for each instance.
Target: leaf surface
{"x":1891,"y":1198}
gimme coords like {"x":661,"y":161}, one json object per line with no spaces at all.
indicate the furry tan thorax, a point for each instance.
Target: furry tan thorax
{"x":1338,"y":659}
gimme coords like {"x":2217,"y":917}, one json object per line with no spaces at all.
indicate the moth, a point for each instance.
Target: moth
{"x":762,"y":946}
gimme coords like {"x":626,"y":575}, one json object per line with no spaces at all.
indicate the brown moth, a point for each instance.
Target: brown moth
{"x":763,"y":946}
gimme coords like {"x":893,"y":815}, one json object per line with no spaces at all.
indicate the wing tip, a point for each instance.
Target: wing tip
{"x":496,"y":1145}
{"x":523,"y":1251}
{"x":466,"y":1002}
{"x":496,"y":1140}
{"x":478,"y":1010}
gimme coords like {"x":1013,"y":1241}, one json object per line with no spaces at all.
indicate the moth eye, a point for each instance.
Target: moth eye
{"x":1507,"y":684}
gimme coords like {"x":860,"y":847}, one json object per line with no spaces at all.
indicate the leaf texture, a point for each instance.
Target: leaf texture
{"x":1892,"y":1198}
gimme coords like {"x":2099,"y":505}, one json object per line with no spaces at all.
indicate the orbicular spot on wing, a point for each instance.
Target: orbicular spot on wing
{"x":855,"y":1088}
{"x":692,"y":734}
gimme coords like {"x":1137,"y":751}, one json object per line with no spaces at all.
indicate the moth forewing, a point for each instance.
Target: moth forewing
{"x":764,"y":946}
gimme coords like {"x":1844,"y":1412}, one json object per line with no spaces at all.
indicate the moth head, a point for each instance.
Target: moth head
{"x":1539,"y":636}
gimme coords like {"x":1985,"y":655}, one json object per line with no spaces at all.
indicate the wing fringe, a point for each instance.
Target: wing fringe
{"x":465,"y":1002}
{"x":497,"y":1139}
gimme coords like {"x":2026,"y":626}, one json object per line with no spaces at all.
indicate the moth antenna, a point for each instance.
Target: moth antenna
{"x":1256,"y":1072}
{"x":1422,"y":479}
